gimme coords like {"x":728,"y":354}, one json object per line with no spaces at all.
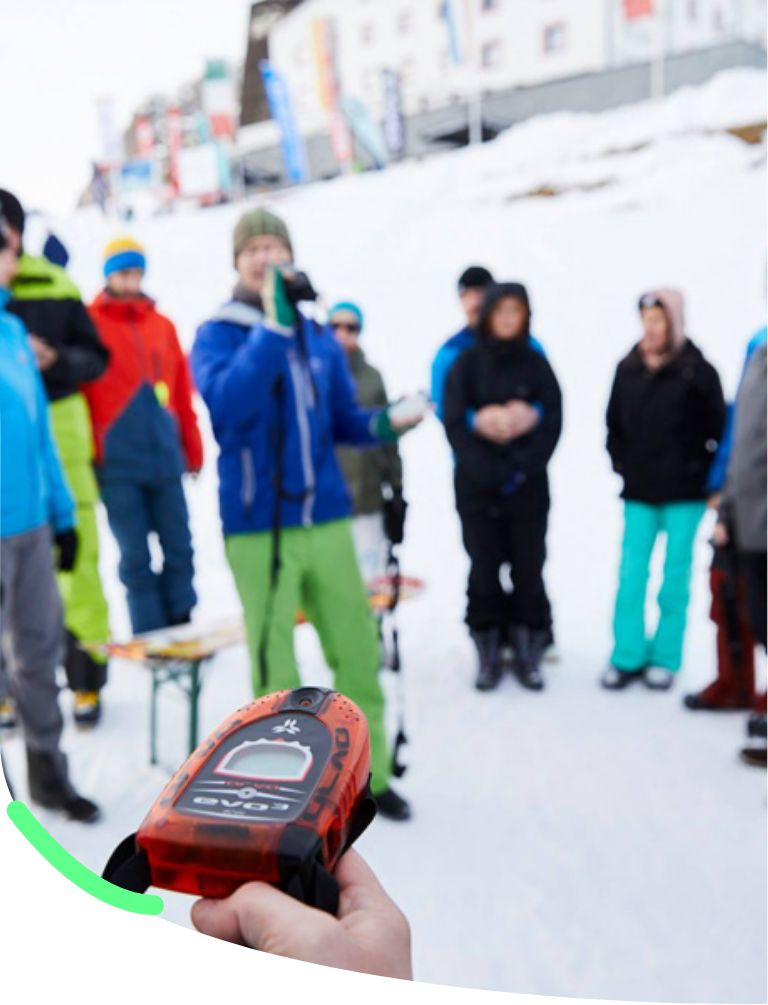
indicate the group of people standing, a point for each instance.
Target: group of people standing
{"x":677,"y":449}
{"x":98,"y":403}
{"x":282,"y":402}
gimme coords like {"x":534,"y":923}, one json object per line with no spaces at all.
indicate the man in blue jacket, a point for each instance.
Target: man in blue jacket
{"x":281,"y":399}
{"x":34,"y":502}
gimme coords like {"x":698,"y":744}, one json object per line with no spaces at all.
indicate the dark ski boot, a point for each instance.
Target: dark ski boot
{"x":616,"y":680}
{"x":658,"y":678}
{"x":392,"y":806}
{"x":87,"y":708}
{"x":488,"y":642}
{"x":50,"y":787}
{"x":529,"y":645}
{"x":8,"y":717}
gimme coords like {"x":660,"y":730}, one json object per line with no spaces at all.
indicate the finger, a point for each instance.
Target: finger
{"x":267,"y":917}
{"x":217,"y":918}
{"x":358,"y":885}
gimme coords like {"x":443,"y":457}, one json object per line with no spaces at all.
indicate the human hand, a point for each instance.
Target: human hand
{"x":370,"y":935}
{"x":522,"y":418}
{"x":67,"y":542}
{"x":493,"y":423}
{"x":720,"y":535}
{"x":45,"y":354}
{"x":713,"y":502}
{"x":298,"y":286}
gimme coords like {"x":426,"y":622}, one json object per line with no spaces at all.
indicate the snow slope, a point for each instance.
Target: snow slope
{"x":570,"y":843}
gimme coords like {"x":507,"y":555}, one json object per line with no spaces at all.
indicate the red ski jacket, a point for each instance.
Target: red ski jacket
{"x":144,"y":422}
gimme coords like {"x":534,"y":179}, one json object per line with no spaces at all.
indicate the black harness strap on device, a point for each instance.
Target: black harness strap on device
{"x":128,"y":867}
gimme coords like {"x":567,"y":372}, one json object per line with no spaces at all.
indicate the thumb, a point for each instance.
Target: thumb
{"x":255,"y":915}
{"x":217,"y":918}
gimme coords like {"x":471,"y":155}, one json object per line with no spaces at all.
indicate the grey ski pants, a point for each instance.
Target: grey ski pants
{"x":32,"y":628}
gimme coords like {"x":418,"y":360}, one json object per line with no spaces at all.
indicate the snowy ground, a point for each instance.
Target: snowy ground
{"x":574,"y":842}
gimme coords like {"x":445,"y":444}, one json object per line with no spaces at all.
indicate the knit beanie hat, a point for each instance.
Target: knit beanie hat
{"x":347,"y":305}
{"x":124,"y":253}
{"x":260,"y":223}
{"x":476,"y":277}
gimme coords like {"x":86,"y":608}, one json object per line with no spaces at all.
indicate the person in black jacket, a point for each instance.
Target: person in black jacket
{"x":69,"y":353}
{"x":502,"y":488}
{"x":665,"y":417}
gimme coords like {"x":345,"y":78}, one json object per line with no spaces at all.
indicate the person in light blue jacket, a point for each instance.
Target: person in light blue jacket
{"x":36,"y":517}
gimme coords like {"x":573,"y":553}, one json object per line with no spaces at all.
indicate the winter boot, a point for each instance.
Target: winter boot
{"x":392,"y":806}
{"x":87,"y":710}
{"x":658,"y":678}
{"x":757,"y":726}
{"x":488,"y":642}
{"x":530,"y":645}
{"x":8,"y":718}
{"x":755,"y":757}
{"x":50,"y":787}
{"x":615,"y":679}
{"x":702,"y":701}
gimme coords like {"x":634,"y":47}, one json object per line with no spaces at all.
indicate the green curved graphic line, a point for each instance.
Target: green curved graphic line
{"x":76,"y":872}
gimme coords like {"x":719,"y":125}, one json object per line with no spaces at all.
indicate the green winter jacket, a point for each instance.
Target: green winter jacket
{"x":366,"y":470}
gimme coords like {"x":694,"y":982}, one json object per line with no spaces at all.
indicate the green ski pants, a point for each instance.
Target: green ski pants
{"x":319,"y":575}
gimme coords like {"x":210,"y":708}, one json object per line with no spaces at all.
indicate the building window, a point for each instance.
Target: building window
{"x":693,"y":10}
{"x":718,"y":20}
{"x":488,"y":5}
{"x":554,"y":37}
{"x":366,"y":33}
{"x":490,"y":54}
{"x":403,"y":22}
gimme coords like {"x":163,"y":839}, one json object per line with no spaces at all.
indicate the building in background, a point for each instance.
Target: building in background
{"x":445,"y":62}
{"x":354,"y":84}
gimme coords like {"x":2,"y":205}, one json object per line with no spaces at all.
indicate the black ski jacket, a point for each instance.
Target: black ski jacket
{"x":490,"y":477}
{"x":664,"y":426}
{"x":49,"y":304}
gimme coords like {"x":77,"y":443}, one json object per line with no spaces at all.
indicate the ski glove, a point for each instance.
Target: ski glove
{"x":394,"y":517}
{"x":298,"y":287}
{"x":67,"y":543}
{"x":278,"y":308}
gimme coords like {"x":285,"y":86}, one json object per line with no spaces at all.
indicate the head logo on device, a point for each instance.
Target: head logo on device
{"x":277,"y":793}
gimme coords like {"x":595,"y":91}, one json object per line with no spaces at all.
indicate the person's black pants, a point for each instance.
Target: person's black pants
{"x":493,"y":541}
{"x":753,"y":566}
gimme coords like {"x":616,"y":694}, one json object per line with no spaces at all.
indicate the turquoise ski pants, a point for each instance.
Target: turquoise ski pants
{"x":679,"y":522}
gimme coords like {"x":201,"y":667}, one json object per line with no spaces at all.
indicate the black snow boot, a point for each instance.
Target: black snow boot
{"x":392,"y":806}
{"x":50,"y":787}
{"x":530,"y":645}
{"x":488,"y":642}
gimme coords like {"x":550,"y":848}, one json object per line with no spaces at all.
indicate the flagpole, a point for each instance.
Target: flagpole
{"x":658,"y":83}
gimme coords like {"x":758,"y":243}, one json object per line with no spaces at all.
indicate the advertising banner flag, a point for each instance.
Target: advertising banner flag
{"x":394,"y":120}
{"x":281,"y":109}
{"x":329,"y":89}
{"x":366,"y":131}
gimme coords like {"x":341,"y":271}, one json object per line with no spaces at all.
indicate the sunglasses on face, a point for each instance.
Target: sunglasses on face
{"x":346,"y":326}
